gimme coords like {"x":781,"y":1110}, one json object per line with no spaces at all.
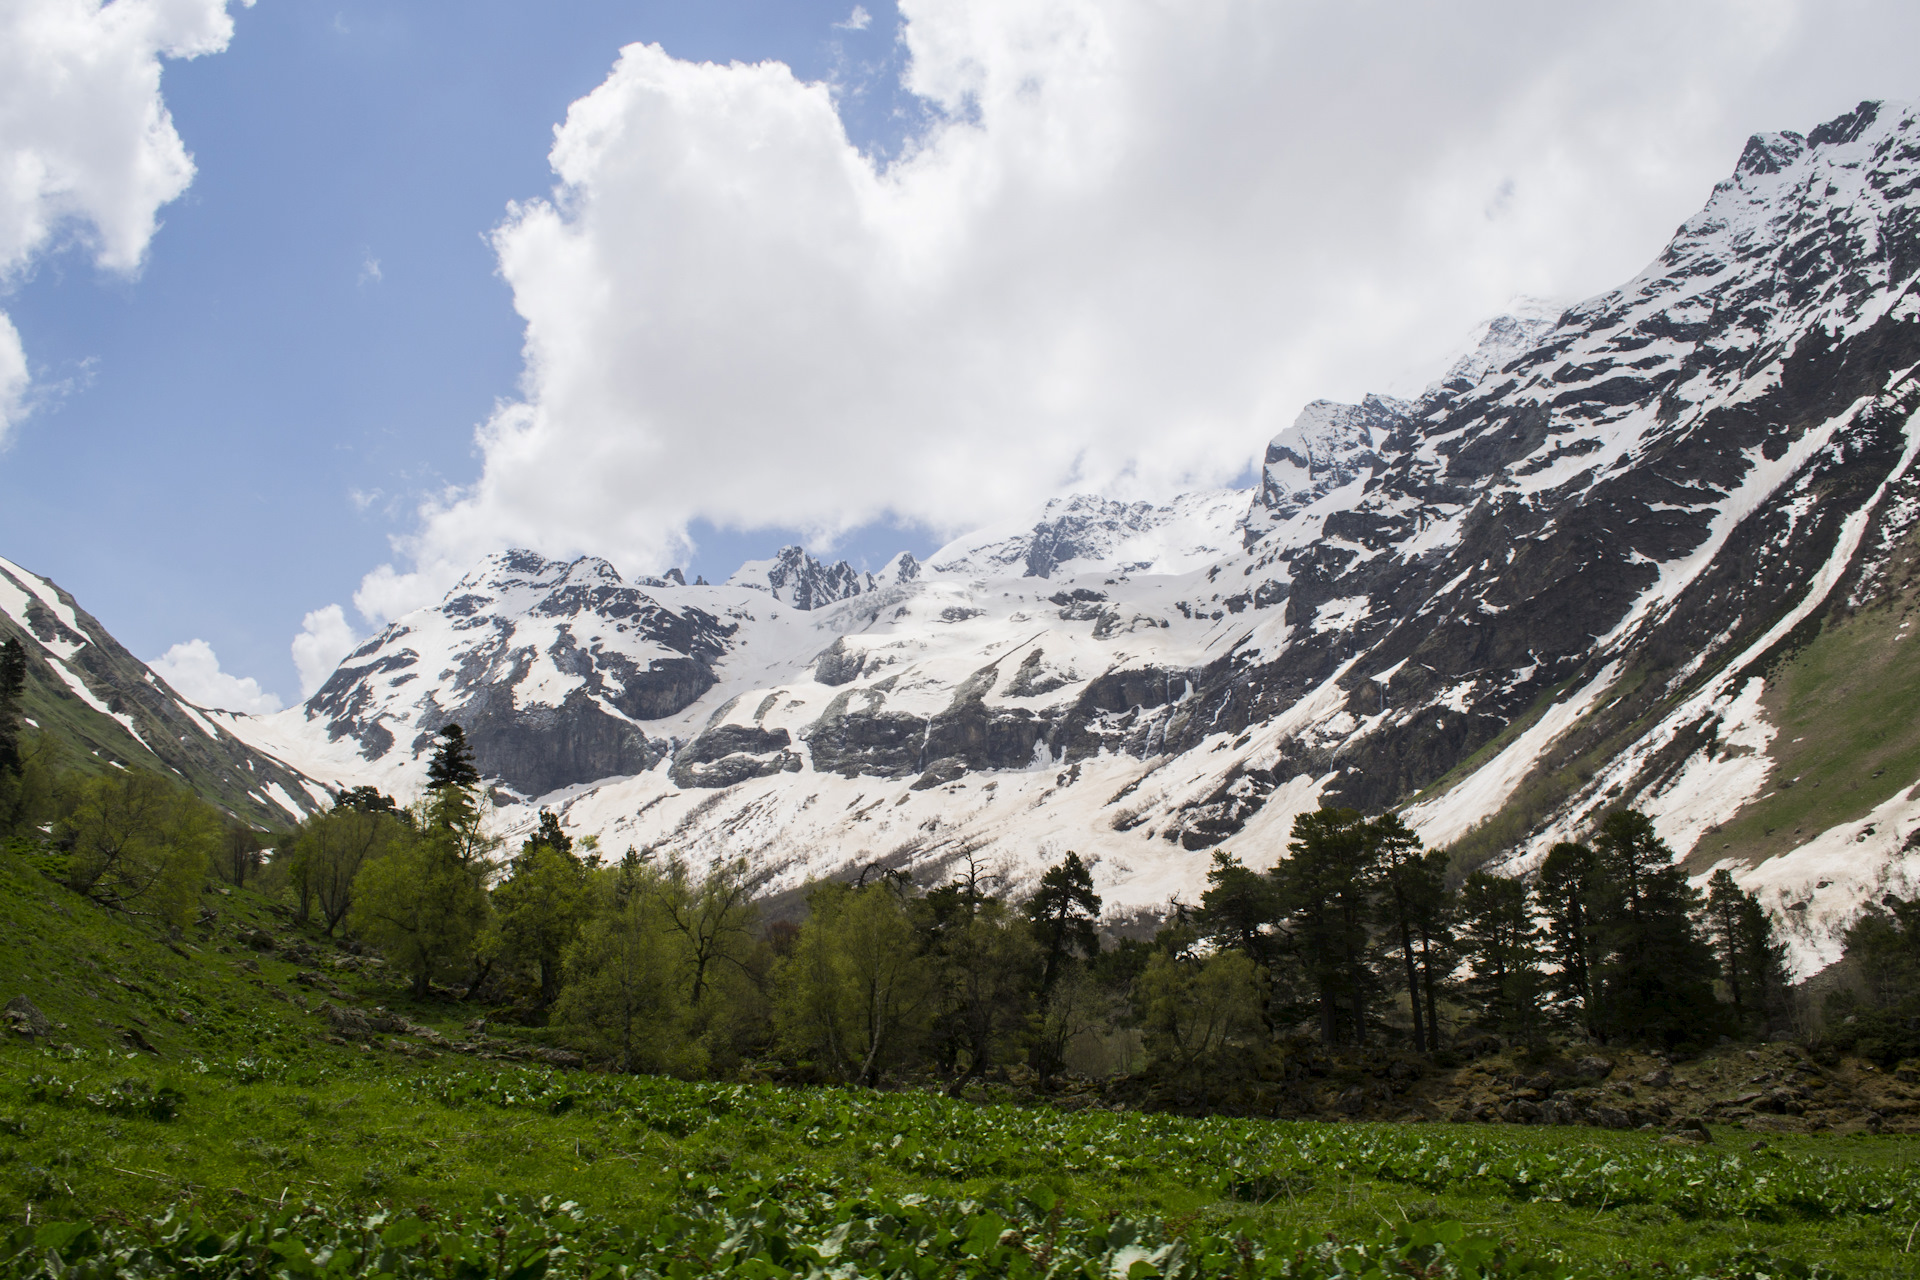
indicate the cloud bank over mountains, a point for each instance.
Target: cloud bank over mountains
{"x":88,"y":152}
{"x":1135,"y":240}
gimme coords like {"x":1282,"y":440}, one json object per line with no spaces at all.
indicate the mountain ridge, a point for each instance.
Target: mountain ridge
{"x":106,"y":709}
{"x":1564,"y":576}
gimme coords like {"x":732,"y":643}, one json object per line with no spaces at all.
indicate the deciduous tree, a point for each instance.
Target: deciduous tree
{"x":139,"y":844}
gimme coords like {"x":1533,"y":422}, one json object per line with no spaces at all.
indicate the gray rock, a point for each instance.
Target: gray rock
{"x":27,"y":1019}
{"x":838,"y":665}
{"x":941,"y":772}
{"x":350,"y":1023}
{"x":733,"y":753}
{"x":1690,"y":1129}
{"x":1031,"y":680}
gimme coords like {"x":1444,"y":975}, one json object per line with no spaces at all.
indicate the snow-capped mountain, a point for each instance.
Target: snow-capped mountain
{"x":96,"y":700}
{"x":1606,"y":558}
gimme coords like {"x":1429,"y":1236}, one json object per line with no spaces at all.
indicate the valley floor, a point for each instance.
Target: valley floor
{"x":200,"y":1074}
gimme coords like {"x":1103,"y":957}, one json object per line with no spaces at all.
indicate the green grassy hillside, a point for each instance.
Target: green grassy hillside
{"x":204,"y":1074}
{"x":1847,"y":707}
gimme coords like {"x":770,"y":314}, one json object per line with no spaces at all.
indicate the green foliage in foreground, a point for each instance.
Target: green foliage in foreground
{"x":771,"y":1230}
{"x":349,"y":1165}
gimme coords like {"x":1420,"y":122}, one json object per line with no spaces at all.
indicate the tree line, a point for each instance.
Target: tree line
{"x":1359,"y":936}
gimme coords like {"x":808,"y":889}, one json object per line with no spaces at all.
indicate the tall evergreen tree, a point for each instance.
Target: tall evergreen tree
{"x":1324,"y":888}
{"x":453,"y":796}
{"x":1564,"y":889}
{"x":1655,"y":975}
{"x":1753,"y":961}
{"x":1064,"y":912}
{"x":985,"y":966}
{"x":1411,"y":897}
{"x":1501,"y":942}
{"x":452,"y":764}
{"x":1240,"y":909}
{"x":548,"y":833}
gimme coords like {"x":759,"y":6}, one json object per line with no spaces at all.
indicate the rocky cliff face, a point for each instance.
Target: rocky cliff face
{"x":553,"y":668}
{"x":1566,"y":575}
{"x":105,"y":708}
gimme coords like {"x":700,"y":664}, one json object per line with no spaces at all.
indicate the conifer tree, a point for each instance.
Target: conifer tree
{"x":1501,"y":943}
{"x":1752,"y":959}
{"x":1410,"y":903}
{"x":548,"y":833}
{"x":1240,"y":908}
{"x":1324,"y":887}
{"x":1064,"y":912}
{"x":1564,"y":889}
{"x":1655,"y":975}
{"x":986,"y":965}
{"x":452,"y":764}
{"x":453,"y":796}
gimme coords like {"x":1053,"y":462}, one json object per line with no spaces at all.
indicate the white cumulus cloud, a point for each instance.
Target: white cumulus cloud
{"x":1135,"y":240}
{"x":193,"y":669}
{"x":325,"y":638}
{"x":87,"y":148}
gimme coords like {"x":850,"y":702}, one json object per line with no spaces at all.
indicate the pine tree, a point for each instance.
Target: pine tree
{"x":1239,"y":909}
{"x":549,"y":834}
{"x":1564,"y":889}
{"x":1324,"y":887}
{"x":452,"y":764}
{"x":1752,"y":959}
{"x":1410,"y":900}
{"x":1502,"y":944}
{"x":453,"y":796}
{"x":1064,"y":912}
{"x":1654,"y":978}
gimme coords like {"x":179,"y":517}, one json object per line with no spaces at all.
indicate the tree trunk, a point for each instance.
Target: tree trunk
{"x":1413,"y":984}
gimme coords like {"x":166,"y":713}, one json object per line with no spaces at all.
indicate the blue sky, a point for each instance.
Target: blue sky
{"x":1018,"y":248}
{"x":227,"y":439}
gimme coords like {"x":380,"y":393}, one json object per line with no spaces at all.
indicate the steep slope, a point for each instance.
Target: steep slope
{"x":105,"y":708}
{"x":1579,"y":570}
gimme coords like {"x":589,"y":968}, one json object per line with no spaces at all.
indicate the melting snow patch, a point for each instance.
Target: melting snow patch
{"x":1817,"y":890}
{"x":1447,"y":817}
{"x":1340,"y":614}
